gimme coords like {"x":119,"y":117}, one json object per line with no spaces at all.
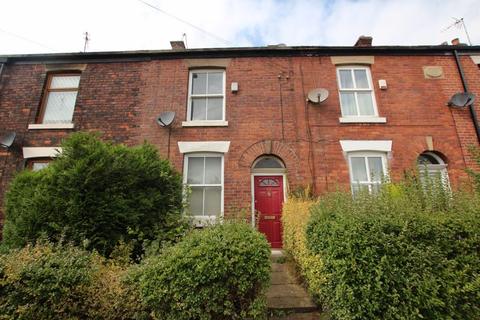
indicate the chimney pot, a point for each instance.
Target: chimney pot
{"x":364,"y":41}
{"x":177,"y":45}
{"x":455,"y":42}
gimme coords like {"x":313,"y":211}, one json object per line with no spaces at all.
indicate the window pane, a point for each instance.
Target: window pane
{"x":213,"y":196}
{"x":62,"y":82}
{"x":36,"y":166}
{"x":59,"y":108}
{"x":347,"y":101}
{"x":268,"y":163}
{"x":359,"y":170}
{"x":215,"y":109}
{"x":346,"y":81}
{"x":213,"y":170}
{"x":199,"y":109}
{"x":199,"y":83}
{"x":196,"y":201}
{"x":361,"y":79}
{"x":195,"y":170}
{"x":215,"y":83}
{"x":365,"y":103}
{"x":376,"y":169}
{"x":358,"y":188}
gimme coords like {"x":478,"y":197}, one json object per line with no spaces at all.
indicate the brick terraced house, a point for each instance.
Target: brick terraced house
{"x":252,"y":124}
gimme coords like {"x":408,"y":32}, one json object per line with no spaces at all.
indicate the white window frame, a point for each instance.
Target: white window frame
{"x":190,"y":122}
{"x":200,"y":220}
{"x":358,"y":118}
{"x":365,"y":155}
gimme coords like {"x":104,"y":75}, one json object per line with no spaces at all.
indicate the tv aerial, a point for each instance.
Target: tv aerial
{"x":459,"y":23}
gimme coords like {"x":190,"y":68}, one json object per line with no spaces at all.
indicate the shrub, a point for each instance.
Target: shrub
{"x":217,"y":273}
{"x":63,"y":282}
{"x":96,"y":191}
{"x":401,"y":254}
{"x":295,"y":216}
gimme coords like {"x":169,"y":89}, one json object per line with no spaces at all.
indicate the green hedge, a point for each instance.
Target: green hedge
{"x":64,"y":282}
{"x":221,"y":272}
{"x":406,"y":253}
{"x":97,"y":191}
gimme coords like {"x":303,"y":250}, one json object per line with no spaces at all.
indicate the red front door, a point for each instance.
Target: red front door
{"x":268,"y":203}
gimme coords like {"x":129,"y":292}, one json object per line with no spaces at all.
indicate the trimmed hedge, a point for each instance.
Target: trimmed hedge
{"x":405,"y":253}
{"x":295,"y":217}
{"x":64,"y":282}
{"x":97,"y":191}
{"x":221,"y":272}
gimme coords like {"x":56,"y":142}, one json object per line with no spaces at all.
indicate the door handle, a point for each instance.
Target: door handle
{"x":268,"y":217}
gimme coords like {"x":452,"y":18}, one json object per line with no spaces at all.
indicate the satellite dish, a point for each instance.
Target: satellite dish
{"x":317,"y":95}
{"x":165,"y":119}
{"x":461,"y":100}
{"x":7,"y":140}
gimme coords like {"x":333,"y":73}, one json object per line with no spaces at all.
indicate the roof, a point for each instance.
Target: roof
{"x":268,"y":51}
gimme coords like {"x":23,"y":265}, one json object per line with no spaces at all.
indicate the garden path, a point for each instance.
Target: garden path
{"x":286,"y":297}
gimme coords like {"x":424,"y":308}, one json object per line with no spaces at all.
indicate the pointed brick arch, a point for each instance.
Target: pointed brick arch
{"x":272,"y":147}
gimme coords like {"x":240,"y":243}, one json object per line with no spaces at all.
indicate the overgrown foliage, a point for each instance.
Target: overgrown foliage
{"x":295,"y":217}
{"x":475,"y":174}
{"x":49,"y":281}
{"x":221,"y":272}
{"x":408,"y":252}
{"x":96,"y":192}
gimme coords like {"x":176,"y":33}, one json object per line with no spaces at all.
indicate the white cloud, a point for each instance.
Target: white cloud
{"x":131,"y":25}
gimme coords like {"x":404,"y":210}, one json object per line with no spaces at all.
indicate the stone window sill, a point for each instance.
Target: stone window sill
{"x":205,"y":123}
{"x":363,"y":120}
{"x":50,"y":126}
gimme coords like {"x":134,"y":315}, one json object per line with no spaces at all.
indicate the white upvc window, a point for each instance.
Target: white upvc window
{"x":367,"y":170}
{"x":206,"y":95}
{"x":357,"y":99}
{"x":203,"y":174}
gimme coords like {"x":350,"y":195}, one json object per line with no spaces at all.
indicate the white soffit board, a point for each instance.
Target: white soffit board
{"x":203,"y":146}
{"x":366,"y":145}
{"x":41,"y":152}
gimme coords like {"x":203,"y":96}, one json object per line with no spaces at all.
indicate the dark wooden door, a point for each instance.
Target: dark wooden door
{"x":268,"y":197}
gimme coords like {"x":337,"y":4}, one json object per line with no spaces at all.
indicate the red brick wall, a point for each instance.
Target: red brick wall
{"x":122,"y":100}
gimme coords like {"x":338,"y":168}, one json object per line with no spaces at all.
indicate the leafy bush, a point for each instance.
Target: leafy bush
{"x":96,"y":191}
{"x":295,"y":216}
{"x":217,"y":273}
{"x":401,"y":254}
{"x":64,"y":282}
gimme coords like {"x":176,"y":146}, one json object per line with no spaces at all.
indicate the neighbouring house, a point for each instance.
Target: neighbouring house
{"x":252,"y":124}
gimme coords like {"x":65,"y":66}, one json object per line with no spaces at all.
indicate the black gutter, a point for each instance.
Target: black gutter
{"x":473,"y":113}
{"x":146,"y":55}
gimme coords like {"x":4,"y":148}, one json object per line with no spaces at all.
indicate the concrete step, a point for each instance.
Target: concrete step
{"x":299,"y":316}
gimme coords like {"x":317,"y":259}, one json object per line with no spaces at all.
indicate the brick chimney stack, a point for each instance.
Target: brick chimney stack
{"x":455,"y":42}
{"x":177,"y":45}
{"x":364,"y":41}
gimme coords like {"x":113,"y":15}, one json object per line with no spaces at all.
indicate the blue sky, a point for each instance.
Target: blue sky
{"x":32,"y":26}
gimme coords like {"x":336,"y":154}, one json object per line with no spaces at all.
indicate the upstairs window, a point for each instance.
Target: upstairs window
{"x":356,"y":92}
{"x":206,"y":95}
{"x":367,"y":171}
{"x":59,"y":98}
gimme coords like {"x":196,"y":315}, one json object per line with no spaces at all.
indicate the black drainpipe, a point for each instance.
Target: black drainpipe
{"x":465,"y":89}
